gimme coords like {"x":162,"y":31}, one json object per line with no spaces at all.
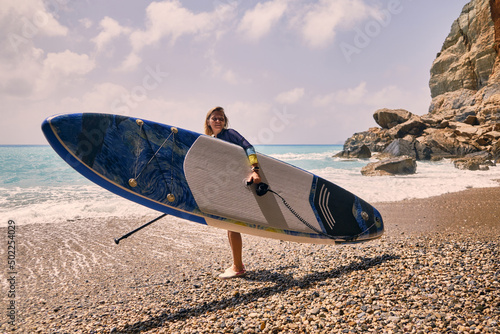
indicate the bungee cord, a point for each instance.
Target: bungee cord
{"x":133,"y":181}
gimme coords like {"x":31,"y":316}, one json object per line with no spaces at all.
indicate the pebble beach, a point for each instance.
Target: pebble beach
{"x":435,"y":270}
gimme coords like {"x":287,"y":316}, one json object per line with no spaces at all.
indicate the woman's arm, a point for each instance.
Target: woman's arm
{"x":234,"y":137}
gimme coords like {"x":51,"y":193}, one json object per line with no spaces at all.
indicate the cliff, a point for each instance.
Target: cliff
{"x":464,"y":116}
{"x":465,"y":75}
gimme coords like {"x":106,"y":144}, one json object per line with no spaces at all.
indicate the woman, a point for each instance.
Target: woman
{"x":216,"y":125}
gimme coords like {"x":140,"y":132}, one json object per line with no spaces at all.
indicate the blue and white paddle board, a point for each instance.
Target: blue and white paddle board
{"x":202,"y":179}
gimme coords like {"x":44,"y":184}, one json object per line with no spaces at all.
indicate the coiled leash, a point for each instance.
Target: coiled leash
{"x":263,"y":188}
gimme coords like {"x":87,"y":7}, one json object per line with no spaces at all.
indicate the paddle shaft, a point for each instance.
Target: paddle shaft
{"x":117,"y":240}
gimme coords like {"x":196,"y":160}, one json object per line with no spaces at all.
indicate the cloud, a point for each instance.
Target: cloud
{"x":130,"y":63}
{"x":390,"y":96}
{"x":61,"y":70}
{"x":110,"y":29}
{"x":68,"y":63}
{"x":350,"y":96}
{"x":291,"y":96}
{"x":86,"y":22}
{"x":320,"y":23}
{"x":38,"y":75}
{"x":170,"y":20}
{"x":32,"y":18}
{"x":23,"y":20}
{"x":257,"y":22}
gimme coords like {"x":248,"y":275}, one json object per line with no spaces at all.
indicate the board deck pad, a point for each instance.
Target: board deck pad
{"x":202,"y":179}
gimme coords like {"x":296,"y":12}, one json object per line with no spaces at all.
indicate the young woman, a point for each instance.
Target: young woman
{"x":217,"y":125}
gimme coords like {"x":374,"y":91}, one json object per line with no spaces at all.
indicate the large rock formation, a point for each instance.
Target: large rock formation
{"x":464,"y":115}
{"x":391,"y":166}
{"x":465,"y":77}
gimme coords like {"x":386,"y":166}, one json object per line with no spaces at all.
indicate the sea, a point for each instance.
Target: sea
{"x":38,"y":187}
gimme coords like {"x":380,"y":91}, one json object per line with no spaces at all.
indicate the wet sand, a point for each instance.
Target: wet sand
{"x":436,"y":269}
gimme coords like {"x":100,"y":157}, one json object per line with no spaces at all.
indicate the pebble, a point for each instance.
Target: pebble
{"x":415,"y":283}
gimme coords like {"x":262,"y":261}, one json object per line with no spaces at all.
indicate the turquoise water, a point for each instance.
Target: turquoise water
{"x":32,"y":166}
{"x":311,"y":157}
{"x":37,"y":186}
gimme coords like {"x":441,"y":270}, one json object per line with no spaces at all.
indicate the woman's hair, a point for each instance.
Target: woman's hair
{"x":208,"y":129}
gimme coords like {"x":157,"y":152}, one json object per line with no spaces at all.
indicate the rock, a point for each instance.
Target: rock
{"x":392,"y":166}
{"x":362,"y":152}
{"x":492,"y":135}
{"x":400,"y":147}
{"x":472,"y":120}
{"x":389,"y":118}
{"x":474,"y":161}
{"x":446,"y":142}
{"x":469,"y":164}
{"x":414,"y":126}
{"x":375,"y":139}
{"x":464,"y":76}
{"x":465,"y":88}
{"x":414,"y":149}
{"x":495,"y":152}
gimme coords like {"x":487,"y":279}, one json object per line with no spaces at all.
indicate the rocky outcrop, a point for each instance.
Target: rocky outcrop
{"x":474,"y":161}
{"x":464,"y":115}
{"x":428,"y":138}
{"x":465,"y":74}
{"x":392,"y":166}
{"x":362,"y":152}
{"x":412,"y":148}
{"x":389,"y":118}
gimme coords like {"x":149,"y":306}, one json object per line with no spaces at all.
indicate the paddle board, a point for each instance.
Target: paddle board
{"x":202,"y":179}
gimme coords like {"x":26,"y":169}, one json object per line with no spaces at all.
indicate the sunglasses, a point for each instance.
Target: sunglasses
{"x":220,"y":119}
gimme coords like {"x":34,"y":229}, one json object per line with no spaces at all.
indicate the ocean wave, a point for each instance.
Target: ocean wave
{"x":431,"y":179}
{"x":59,"y":204}
{"x":53,"y":192}
{"x":302,"y":156}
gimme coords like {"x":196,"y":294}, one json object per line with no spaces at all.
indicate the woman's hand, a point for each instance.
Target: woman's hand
{"x":254,"y":178}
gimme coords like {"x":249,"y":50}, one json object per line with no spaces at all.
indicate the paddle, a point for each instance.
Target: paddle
{"x":117,"y":240}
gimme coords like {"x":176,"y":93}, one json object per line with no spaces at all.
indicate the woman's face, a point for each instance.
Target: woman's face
{"x":217,"y":121}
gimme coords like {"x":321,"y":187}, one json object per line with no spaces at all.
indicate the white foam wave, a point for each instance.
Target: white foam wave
{"x":303,"y":156}
{"x":57,"y":204}
{"x":431,"y":179}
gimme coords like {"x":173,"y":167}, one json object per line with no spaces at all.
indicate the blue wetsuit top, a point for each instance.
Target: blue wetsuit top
{"x":232,"y":136}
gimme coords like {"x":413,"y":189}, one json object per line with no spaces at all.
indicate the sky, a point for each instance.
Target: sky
{"x":285,"y":71}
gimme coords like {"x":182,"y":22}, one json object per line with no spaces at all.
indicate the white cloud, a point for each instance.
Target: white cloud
{"x":291,"y":96}
{"x":86,"y":22}
{"x":130,"y":63}
{"x":22,"y":21}
{"x":68,"y":63}
{"x":170,"y":20}
{"x":258,"y":22}
{"x":110,"y":29}
{"x":60,"y":70}
{"x":30,"y":17}
{"x":99,"y":99}
{"x":389,"y":96}
{"x":217,"y":70}
{"x":320,"y":24}
{"x":350,"y":96}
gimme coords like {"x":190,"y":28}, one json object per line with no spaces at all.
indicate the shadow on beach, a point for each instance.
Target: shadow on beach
{"x":284,"y":282}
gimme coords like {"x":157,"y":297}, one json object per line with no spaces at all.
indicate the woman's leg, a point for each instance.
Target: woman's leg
{"x":236,"y":244}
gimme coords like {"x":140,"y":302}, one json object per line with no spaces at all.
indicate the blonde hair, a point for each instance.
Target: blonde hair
{"x":207,"y":128}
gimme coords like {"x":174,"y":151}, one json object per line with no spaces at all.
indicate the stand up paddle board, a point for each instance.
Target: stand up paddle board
{"x":202,"y":179}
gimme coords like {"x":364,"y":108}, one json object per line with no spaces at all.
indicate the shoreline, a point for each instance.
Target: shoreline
{"x":475,"y":208}
{"x":435,"y":269}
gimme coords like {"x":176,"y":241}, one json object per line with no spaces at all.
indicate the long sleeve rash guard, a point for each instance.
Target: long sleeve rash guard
{"x":233,"y":136}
